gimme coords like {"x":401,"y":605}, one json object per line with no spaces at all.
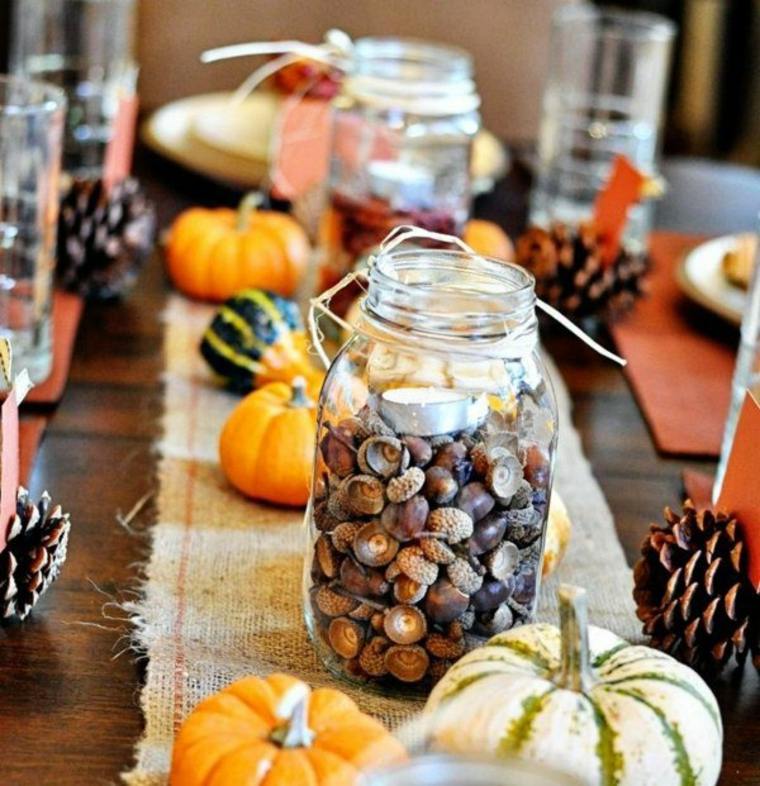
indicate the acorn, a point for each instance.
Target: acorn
{"x":475,"y":500}
{"x":440,"y":487}
{"x":463,"y":576}
{"x":337,"y":502}
{"x":364,"y":495}
{"x":328,"y":556}
{"x":413,"y":563}
{"x":377,"y":621}
{"x":466,"y":619}
{"x":488,"y":533}
{"x":438,"y":669}
{"x":407,"y":663}
{"x":439,"y":440}
{"x":324,"y":521}
{"x":502,"y":561}
{"x":504,"y":477}
{"x":373,"y":546}
{"x":363,"y":612}
{"x":405,"y":520}
{"x":352,"y":427}
{"x":523,"y":496}
{"x":393,"y":571}
{"x":372,"y":657}
{"x":407,"y":590}
{"x":338,"y":451}
{"x":343,"y":535}
{"x":420,"y":452}
{"x":346,"y":637}
{"x":406,"y":485}
{"x":492,"y":622}
{"x":332,"y":603}
{"x":405,"y":624}
{"x":373,"y":424}
{"x":436,"y":550}
{"x":537,"y":468}
{"x":451,"y":523}
{"x":383,"y":456}
{"x":491,"y":595}
{"x":525,"y":585}
{"x":444,"y":602}
{"x":480,"y":460}
{"x":441,"y":646}
{"x":454,"y":458}
{"x":358,"y":580}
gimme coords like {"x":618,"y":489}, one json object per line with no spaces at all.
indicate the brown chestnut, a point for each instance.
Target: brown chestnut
{"x":358,"y":580}
{"x":491,"y":595}
{"x":454,"y":458}
{"x":475,"y":500}
{"x":405,"y":520}
{"x":537,"y":468}
{"x":488,"y":533}
{"x":419,"y":449}
{"x":338,"y":452}
{"x":440,"y":487}
{"x":444,"y":602}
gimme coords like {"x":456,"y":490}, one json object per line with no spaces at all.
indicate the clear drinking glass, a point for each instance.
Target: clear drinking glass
{"x":31,"y":130}
{"x":604,"y":96}
{"x":84,"y":47}
{"x":746,"y":372}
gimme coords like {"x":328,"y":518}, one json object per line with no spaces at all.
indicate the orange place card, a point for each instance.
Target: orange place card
{"x":301,"y":146}
{"x":9,"y":469}
{"x":117,"y":163}
{"x":740,"y":493}
{"x":622,"y":190}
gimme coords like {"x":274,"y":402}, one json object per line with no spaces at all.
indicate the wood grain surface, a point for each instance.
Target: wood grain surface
{"x":69,"y":689}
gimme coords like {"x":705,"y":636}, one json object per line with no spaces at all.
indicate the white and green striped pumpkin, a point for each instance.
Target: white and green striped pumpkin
{"x":580,"y":697}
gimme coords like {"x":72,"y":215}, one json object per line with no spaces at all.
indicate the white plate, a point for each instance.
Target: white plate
{"x":207,"y":134}
{"x":700,"y":276}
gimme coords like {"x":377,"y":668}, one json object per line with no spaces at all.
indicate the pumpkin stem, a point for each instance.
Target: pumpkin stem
{"x":295,"y":731}
{"x":299,"y":398}
{"x":575,"y":669}
{"x":248,"y":204}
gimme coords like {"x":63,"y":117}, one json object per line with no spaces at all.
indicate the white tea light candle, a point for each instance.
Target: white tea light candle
{"x":427,"y":411}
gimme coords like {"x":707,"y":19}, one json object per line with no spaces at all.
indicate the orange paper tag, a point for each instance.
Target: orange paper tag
{"x":9,"y":469}
{"x":302,"y":147}
{"x":117,"y":162}
{"x":740,"y":493}
{"x":622,"y":190}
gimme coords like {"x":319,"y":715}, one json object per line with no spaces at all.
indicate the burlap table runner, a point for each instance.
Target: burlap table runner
{"x":222,"y":594}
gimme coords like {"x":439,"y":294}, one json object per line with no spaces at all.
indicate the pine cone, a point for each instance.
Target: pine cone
{"x":692,"y":591}
{"x":571,"y":276}
{"x":33,"y":555}
{"x":104,"y":239}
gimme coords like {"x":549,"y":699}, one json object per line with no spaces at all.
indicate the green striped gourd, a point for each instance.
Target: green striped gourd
{"x":257,"y":337}
{"x":608,"y":712}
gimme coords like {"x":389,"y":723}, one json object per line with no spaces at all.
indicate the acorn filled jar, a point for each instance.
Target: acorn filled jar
{"x":403,"y":127}
{"x":436,"y":436}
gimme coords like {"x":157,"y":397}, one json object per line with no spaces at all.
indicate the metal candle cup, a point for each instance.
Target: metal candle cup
{"x":427,"y":411}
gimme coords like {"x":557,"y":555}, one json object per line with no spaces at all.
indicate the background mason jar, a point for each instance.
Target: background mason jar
{"x":86,"y":48}
{"x":31,"y":129}
{"x":604,"y":96}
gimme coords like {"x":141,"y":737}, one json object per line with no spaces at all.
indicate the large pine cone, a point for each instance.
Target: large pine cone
{"x":692,"y":591}
{"x":104,"y":238}
{"x":570,"y":274}
{"x":33,"y":555}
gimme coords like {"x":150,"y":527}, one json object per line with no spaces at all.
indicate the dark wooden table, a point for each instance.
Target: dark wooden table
{"x":69,"y":685}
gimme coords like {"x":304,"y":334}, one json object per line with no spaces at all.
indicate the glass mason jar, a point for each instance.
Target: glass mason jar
{"x":436,"y":440}
{"x":403,"y":127}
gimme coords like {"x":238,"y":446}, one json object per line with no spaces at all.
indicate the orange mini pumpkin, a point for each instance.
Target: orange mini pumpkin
{"x":266,"y":449}
{"x":212,"y":254}
{"x":488,"y":239}
{"x":278,"y":732}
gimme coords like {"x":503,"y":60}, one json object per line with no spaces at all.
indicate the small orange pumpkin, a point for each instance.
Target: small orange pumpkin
{"x":212,"y":254}
{"x":276,"y":731}
{"x":266,"y":448}
{"x":488,"y":239}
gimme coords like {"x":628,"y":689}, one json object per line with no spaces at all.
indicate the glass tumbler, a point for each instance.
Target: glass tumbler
{"x":608,"y":73}
{"x":31,"y":129}
{"x":84,"y":47}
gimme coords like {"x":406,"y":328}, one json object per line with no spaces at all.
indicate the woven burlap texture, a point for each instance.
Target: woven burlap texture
{"x":222,"y":592}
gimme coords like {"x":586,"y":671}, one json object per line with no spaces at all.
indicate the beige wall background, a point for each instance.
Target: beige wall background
{"x":509,"y":40}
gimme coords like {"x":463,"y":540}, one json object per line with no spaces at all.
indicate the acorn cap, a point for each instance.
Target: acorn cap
{"x":372,"y":657}
{"x":405,"y":486}
{"x":406,"y":590}
{"x":463,"y":576}
{"x":363,"y":612}
{"x":343,"y":535}
{"x":414,"y":564}
{"x":503,"y":560}
{"x":441,"y":646}
{"x":345,"y":636}
{"x":504,"y":477}
{"x":405,"y":624}
{"x":383,"y":456}
{"x":333,"y":604}
{"x":363,"y":495}
{"x":327,"y":555}
{"x":436,"y":550}
{"x":407,"y":663}
{"x":373,"y":546}
{"x":492,"y":622}
{"x":455,"y":525}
